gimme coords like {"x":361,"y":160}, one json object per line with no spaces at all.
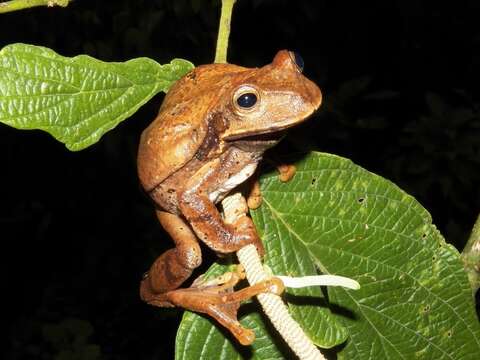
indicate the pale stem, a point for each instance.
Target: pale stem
{"x":14,"y":5}
{"x":235,"y":206}
{"x":471,"y":256}
{"x":224,"y":31}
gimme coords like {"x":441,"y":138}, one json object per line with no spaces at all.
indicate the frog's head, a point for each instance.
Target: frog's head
{"x":270,"y":99}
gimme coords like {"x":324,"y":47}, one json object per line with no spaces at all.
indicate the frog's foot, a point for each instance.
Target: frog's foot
{"x":254,"y":199}
{"x":222,"y":282}
{"x":286,"y":172}
{"x":216,"y":298}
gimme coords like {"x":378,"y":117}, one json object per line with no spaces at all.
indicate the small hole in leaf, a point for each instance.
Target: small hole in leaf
{"x":360,"y":200}
{"x":426,"y":308}
{"x":449,"y":333}
{"x":424,"y":236}
{"x":434,"y":258}
{"x":314,"y":180}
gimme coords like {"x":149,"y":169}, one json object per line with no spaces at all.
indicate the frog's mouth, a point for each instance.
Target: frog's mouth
{"x":266,"y":135}
{"x":259,"y":142}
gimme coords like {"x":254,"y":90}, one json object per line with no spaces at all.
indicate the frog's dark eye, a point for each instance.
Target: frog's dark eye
{"x":298,"y":60}
{"x":247,"y":100}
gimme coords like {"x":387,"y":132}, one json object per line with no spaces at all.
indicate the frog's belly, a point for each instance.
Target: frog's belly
{"x":219,"y":193}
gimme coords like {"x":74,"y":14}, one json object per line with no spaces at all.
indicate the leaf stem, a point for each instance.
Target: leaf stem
{"x":224,"y":31}
{"x":471,"y":256}
{"x":14,"y":5}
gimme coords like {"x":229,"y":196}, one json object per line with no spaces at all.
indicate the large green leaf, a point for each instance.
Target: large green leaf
{"x":76,"y":99}
{"x":335,"y":217}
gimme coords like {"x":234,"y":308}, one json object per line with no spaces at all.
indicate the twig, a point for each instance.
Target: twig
{"x":224,"y":31}
{"x":14,"y":5}
{"x":273,"y":306}
{"x":471,"y":256}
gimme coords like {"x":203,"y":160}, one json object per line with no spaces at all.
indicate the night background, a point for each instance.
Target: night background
{"x":400,"y":84}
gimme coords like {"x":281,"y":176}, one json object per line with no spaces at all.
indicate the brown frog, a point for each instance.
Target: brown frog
{"x":211,"y":131}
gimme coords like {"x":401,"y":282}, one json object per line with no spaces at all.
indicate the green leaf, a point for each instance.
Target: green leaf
{"x":335,"y":217}
{"x":415,"y":300}
{"x":76,"y":99}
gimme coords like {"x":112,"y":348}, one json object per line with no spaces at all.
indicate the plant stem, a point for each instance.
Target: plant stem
{"x":14,"y":5}
{"x":234,"y":207}
{"x":471,"y":256}
{"x":224,"y":31}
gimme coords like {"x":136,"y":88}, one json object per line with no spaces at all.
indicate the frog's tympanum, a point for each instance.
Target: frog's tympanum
{"x":212,"y":129}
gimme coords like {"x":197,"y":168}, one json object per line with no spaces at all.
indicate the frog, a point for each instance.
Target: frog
{"x":209,"y":136}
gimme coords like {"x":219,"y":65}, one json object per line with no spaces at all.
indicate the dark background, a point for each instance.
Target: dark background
{"x":400,"y":80}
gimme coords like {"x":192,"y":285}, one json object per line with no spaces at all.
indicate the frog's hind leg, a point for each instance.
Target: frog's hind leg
{"x":174,"y":266}
{"x":210,"y":296}
{"x":217,"y":298}
{"x":213,"y":297}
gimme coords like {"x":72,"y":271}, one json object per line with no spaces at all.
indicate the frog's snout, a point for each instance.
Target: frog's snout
{"x":314,"y":95}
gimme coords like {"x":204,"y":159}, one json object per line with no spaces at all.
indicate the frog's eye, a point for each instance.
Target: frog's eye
{"x":245,"y":98}
{"x":298,"y":60}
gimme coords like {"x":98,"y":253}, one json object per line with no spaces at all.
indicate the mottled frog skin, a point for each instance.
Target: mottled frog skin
{"x":209,"y":136}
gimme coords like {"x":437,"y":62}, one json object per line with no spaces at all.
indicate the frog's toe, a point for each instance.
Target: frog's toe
{"x":219,"y":283}
{"x":226,"y":314}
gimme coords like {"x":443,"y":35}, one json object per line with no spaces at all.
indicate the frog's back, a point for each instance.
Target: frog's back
{"x":180,"y":127}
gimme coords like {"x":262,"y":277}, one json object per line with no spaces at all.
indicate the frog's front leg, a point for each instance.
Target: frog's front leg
{"x":202,"y":214}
